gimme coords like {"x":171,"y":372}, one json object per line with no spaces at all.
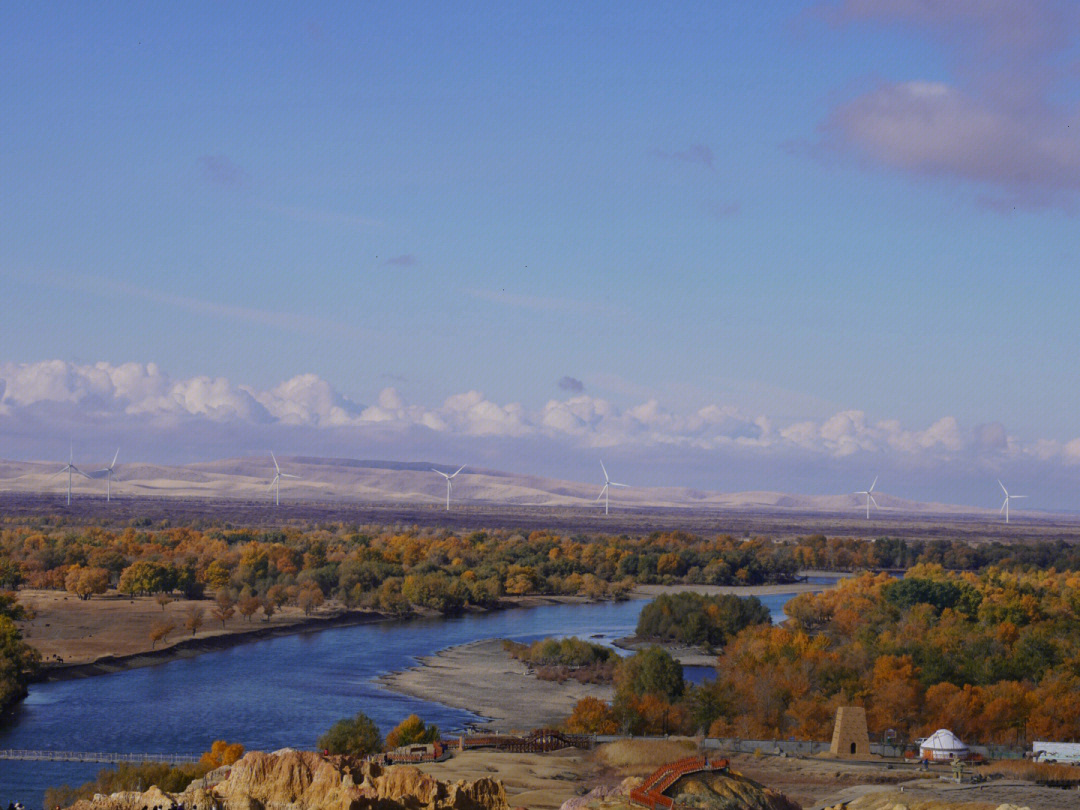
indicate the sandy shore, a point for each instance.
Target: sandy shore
{"x":652,"y":591}
{"x":687,"y":656}
{"x":483,"y":678}
{"x":79,"y":638}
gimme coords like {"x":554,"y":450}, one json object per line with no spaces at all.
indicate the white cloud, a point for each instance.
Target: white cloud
{"x":40,"y":400}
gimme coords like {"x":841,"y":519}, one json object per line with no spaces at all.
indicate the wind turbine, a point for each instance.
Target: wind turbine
{"x":1005,"y":505}
{"x":869,"y":493}
{"x":276,"y":483}
{"x":69,"y":468}
{"x":107,"y":472}
{"x":449,"y":485}
{"x":605,"y":493}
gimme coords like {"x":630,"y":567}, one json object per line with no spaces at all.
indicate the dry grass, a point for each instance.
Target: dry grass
{"x":887,"y":801}
{"x":1039,"y":772}
{"x":645,"y":754}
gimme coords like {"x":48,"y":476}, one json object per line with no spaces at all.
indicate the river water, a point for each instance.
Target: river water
{"x":281,"y":692}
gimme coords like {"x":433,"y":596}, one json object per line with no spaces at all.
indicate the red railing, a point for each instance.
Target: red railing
{"x":651,"y":792}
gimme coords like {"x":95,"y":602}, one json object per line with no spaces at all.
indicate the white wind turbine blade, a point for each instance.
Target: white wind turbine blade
{"x":873,"y":485}
{"x":612,"y":483}
{"x":1004,"y":503}
{"x":1014,"y":497}
{"x":459,"y":469}
{"x":276,"y":477}
{"x":871,"y":497}
{"x":601,"y":495}
{"x":276,"y":467}
{"x":288,"y":475}
{"x":97,"y":473}
{"x":602,"y":467}
{"x":440,"y":472}
{"x":1003,"y":488}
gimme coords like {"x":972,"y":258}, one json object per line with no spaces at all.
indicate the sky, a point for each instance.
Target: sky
{"x":735,"y":246}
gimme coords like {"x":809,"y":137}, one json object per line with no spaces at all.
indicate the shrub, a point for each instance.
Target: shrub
{"x":357,"y":735}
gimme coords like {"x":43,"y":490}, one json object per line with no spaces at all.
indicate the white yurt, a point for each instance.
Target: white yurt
{"x":943,"y":746}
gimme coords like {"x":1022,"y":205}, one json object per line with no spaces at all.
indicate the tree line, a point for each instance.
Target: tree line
{"x":993,"y":655}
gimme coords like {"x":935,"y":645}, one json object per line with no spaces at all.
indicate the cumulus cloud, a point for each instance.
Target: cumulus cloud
{"x":39,"y":401}
{"x":1005,"y":121}
{"x":572,"y":384}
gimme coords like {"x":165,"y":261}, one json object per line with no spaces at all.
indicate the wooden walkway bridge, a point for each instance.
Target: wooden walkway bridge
{"x":94,"y":756}
{"x":651,"y":793}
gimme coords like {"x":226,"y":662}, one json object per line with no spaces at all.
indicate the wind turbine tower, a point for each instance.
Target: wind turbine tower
{"x":69,"y":468}
{"x":605,"y":493}
{"x":107,"y":473}
{"x":869,"y":493}
{"x":1005,"y":505}
{"x":276,"y":483}
{"x":449,"y":484}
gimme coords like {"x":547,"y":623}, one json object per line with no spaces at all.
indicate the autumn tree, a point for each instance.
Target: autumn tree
{"x":309,"y":598}
{"x":247,"y":605}
{"x":160,"y":631}
{"x":221,"y":753}
{"x":592,"y":716}
{"x":268,"y":607}
{"x":84,"y":581}
{"x":223,"y":609}
{"x":162,"y":599}
{"x":411,"y":731}
{"x":193,"y":618}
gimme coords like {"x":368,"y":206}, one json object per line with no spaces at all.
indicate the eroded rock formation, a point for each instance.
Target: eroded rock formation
{"x":722,"y":790}
{"x":304,"y":780}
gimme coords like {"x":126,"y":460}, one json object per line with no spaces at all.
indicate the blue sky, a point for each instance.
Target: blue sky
{"x":779,"y":212}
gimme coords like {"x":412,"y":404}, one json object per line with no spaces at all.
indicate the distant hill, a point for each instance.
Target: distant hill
{"x":357,"y":480}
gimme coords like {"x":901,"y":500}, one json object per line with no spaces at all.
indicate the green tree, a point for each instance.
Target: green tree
{"x":147,"y":577}
{"x":358,"y":736}
{"x":698,"y":620}
{"x":18,"y":660}
{"x":651,"y":671}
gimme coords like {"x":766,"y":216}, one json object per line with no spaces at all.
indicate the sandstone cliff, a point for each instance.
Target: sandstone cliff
{"x":304,"y":780}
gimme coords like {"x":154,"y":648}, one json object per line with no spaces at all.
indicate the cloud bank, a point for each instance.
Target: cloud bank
{"x":43,"y":404}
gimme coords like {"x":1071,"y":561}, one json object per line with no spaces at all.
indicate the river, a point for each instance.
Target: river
{"x":281,"y":692}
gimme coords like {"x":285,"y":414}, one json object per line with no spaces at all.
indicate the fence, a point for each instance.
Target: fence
{"x":93,"y":756}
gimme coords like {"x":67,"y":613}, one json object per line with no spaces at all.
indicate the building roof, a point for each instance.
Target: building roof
{"x":943,"y":740}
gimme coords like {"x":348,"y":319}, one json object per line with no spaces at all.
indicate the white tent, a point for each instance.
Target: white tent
{"x":943,"y":745}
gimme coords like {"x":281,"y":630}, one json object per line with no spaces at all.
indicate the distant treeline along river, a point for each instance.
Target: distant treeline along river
{"x":277,"y":693}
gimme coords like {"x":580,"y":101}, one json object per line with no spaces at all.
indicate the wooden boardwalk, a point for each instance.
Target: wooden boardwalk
{"x":93,"y":756}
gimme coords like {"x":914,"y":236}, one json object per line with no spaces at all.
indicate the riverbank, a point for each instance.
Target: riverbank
{"x":83,"y":638}
{"x":483,"y":678}
{"x":652,"y":591}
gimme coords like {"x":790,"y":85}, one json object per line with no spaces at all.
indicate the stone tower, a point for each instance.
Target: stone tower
{"x":850,"y":737}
